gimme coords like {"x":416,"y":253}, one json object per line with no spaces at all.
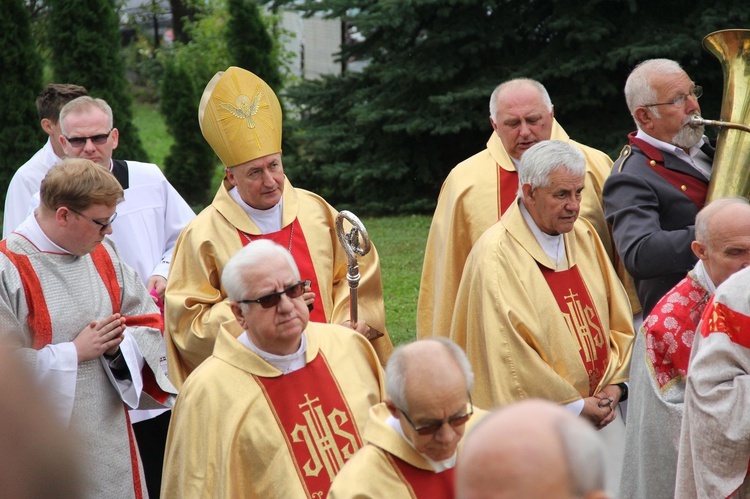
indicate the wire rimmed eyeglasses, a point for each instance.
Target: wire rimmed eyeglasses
{"x":102,"y":225}
{"x":273,"y":299}
{"x":681,"y":99}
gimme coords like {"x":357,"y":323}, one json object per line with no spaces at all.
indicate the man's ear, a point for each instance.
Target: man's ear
{"x":237,"y":311}
{"x":115,"y":138}
{"x":645,"y":117}
{"x":528,"y":191}
{"x":46,"y":125}
{"x":391,"y":407}
{"x":61,"y":216}
{"x":699,"y":249}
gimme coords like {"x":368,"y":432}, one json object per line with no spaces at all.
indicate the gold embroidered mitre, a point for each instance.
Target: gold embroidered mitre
{"x":240,"y":117}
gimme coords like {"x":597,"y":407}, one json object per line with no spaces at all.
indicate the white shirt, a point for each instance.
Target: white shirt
{"x":266,"y":220}
{"x":695,"y":158}
{"x":284,"y":363}
{"x":24,"y":184}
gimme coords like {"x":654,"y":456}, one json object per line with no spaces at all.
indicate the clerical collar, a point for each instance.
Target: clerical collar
{"x":695,"y":157}
{"x":702,"y":276}
{"x":284,"y":363}
{"x":553,"y":246}
{"x":267,"y":220}
{"x":437,"y":466}
{"x":31,"y":230}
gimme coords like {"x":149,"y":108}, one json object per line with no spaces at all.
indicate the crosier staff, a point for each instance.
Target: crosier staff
{"x":351,"y":242}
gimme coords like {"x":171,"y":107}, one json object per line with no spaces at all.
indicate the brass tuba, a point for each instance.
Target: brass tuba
{"x":731,"y":166}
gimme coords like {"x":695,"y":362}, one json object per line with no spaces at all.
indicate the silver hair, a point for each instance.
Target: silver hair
{"x":638,"y":88}
{"x":703,"y":219}
{"x":395,"y":370}
{"x":82,"y":104}
{"x":255,"y":253}
{"x":584,"y":454}
{"x":518,"y":83}
{"x":543,"y":158}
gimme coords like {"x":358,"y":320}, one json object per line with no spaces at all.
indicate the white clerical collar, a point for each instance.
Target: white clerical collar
{"x":437,"y":466}
{"x":553,"y":246}
{"x":284,"y":363}
{"x":703,"y":277}
{"x":31,"y":230}
{"x":267,"y":220}
{"x":695,"y":157}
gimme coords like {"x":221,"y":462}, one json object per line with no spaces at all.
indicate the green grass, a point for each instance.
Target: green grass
{"x":400,"y":240}
{"x":153,"y":132}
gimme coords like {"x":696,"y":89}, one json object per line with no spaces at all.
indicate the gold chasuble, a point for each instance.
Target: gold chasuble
{"x":473,"y":197}
{"x":560,"y":337}
{"x":387,"y":466}
{"x":241,"y":428}
{"x":197,"y":304}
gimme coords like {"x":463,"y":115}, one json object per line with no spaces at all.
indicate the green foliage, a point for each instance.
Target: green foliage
{"x":249,"y":43}
{"x":206,"y":53}
{"x":84,"y":40}
{"x":384,"y":139}
{"x":20,"y":133}
{"x":189,"y":166}
{"x":153,"y":131}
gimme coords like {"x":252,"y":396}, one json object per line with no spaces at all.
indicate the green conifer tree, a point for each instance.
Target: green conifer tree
{"x":20,"y":133}
{"x":383,"y":140}
{"x":250,"y":45}
{"x":84,"y":39}
{"x":191,"y":161}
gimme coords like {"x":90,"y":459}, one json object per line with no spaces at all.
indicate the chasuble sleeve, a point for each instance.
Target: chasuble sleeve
{"x":466,"y":207}
{"x":195,"y":301}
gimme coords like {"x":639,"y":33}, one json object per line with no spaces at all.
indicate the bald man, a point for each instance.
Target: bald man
{"x":533,"y":448}
{"x":413,"y":436}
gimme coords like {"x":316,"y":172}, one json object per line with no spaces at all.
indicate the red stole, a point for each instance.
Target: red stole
{"x":424,"y":483}
{"x":38,"y":320}
{"x":507,"y":189}
{"x":693,"y":187}
{"x":670,"y":329}
{"x":314,"y":417}
{"x":718,"y":318}
{"x":292,"y":238}
{"x":582,"y":320}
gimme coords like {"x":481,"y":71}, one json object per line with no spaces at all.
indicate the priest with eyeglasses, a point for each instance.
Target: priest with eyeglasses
{"x":281,"y":404}
{"x":413,"y":436}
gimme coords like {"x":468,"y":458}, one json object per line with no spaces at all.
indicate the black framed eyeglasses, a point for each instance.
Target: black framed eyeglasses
{"x":95,"y":139}
{"x":431,"y":429}
{"x":273,"y":299}
{"x":681,"y":99}
{"x":102,"y":225}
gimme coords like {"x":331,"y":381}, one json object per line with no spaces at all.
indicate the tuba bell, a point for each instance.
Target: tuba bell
{"x":731,"y":166}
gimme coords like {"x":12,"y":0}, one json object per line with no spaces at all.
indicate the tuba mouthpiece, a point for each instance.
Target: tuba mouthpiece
{"x":697,"y":122}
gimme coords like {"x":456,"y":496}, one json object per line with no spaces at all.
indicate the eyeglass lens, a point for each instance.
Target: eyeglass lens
{"x":96,"y":139}
{"x":273,"y":299}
